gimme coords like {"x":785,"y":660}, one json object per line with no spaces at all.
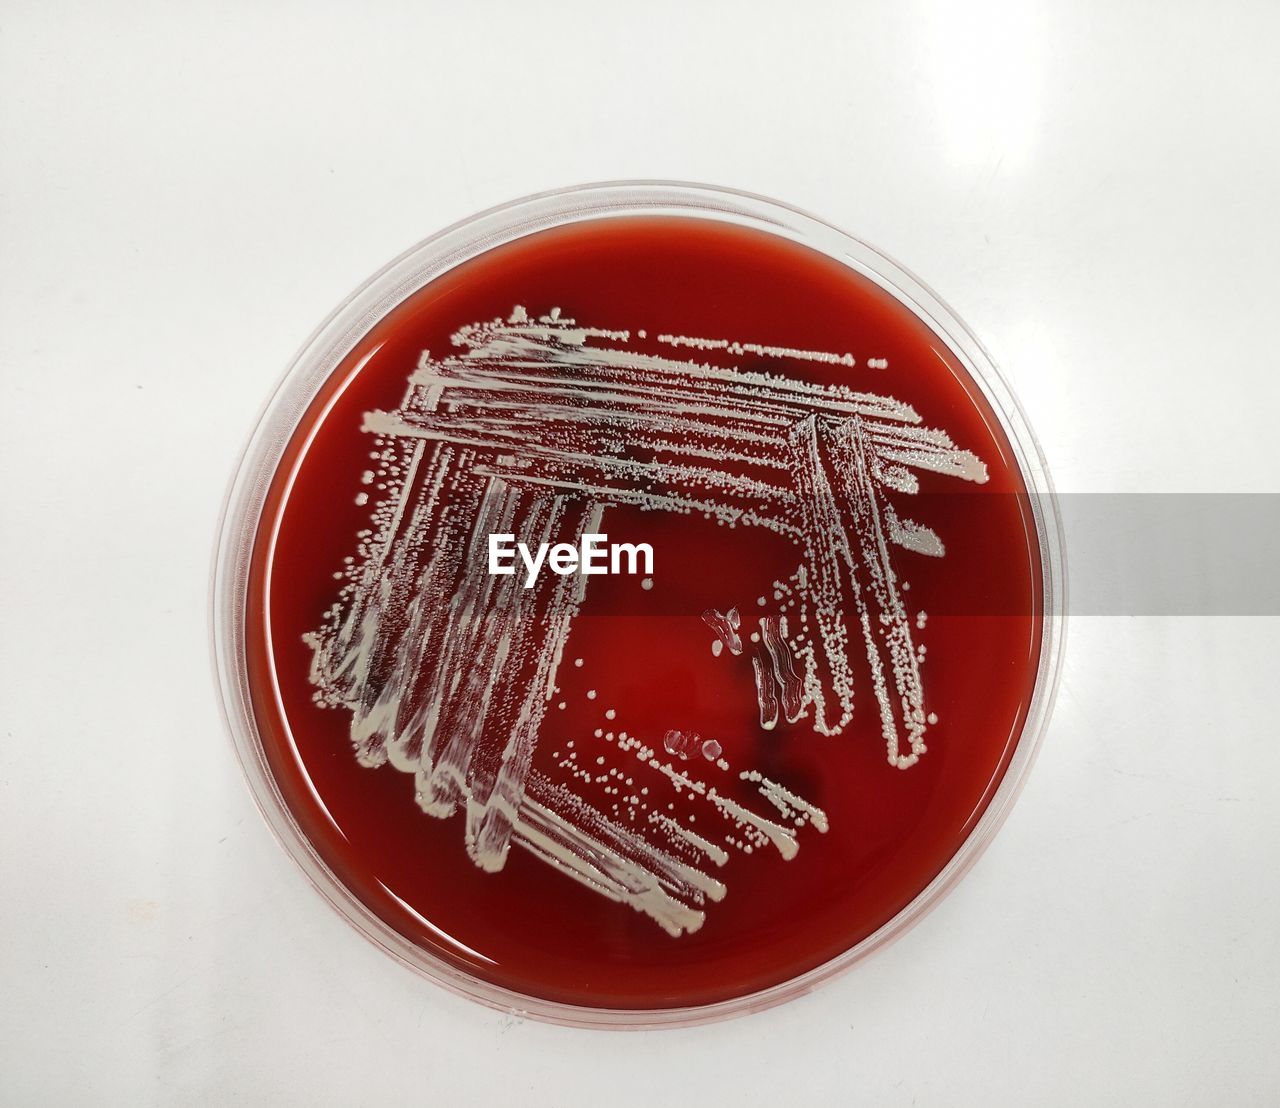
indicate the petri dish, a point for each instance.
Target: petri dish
{"x":638,"y":603}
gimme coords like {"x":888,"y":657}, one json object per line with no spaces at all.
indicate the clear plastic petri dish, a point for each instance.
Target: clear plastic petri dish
{"x":637,"y":604}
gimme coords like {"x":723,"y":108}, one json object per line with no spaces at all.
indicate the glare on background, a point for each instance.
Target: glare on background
{"x":983,"y":68}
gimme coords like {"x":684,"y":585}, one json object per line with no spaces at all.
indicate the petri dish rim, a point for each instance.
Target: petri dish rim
{"x":334,"y":339}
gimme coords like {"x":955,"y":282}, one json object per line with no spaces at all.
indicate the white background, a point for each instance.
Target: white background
{"x":186,"y":190}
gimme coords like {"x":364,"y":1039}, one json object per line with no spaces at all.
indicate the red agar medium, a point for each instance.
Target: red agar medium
{"x":685,"y":784}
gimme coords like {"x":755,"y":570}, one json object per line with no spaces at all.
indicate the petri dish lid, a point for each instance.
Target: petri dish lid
{"x":637,"y":604}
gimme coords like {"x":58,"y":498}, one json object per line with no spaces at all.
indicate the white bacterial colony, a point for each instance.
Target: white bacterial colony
{"x":540,"y":427}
